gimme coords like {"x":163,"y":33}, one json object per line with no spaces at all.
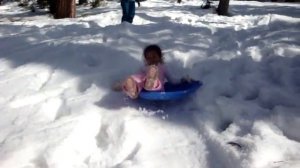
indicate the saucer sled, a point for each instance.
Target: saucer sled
{"x":172,"y":91}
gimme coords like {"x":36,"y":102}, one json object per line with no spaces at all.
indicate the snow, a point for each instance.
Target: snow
{"x":58,"y":109}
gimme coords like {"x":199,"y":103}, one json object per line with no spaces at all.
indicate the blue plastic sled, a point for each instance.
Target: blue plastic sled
{"x":172,"y":91}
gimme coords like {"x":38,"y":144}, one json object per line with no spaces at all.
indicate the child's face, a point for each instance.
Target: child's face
{"x":152,"y":58}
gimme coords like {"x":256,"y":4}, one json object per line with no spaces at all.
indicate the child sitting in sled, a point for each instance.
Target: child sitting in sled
{"x":152,"y":77}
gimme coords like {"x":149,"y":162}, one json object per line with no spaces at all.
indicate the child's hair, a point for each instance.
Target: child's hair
{"x":155,"y":48}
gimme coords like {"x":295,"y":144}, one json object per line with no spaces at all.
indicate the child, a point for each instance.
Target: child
{"x":151,"y":77}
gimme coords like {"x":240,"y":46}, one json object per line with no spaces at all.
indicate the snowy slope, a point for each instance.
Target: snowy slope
{"x":58,"y":109}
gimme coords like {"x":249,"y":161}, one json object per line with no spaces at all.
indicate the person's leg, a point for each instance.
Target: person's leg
{"x":133,"y":85}
{"x":153,"y":81}
{"x":130,"y":88}
{"x":131,"y":11}
{"x":125,"y":10}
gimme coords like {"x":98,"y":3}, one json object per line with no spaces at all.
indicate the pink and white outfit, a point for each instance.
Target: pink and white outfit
{"x":141,"y":77}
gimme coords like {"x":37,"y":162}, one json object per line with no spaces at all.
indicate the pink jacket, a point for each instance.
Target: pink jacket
{"x":140,"y":78}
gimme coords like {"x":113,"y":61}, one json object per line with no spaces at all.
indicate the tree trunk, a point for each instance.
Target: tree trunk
{"x":65,"y":9}
{"x":82,"y":2}
{"x":96,"y":3}
{"x":52,"y":6}
{"x":42,"y":3}
{"x":223,"y":7}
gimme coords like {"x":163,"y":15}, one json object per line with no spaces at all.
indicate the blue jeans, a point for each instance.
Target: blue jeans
{"x":128,"y":8}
